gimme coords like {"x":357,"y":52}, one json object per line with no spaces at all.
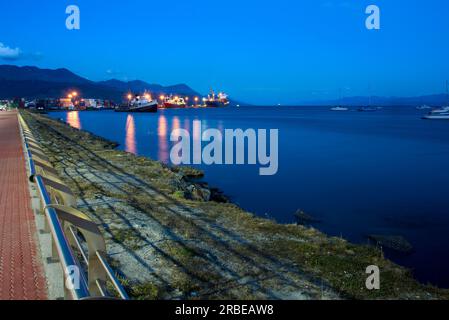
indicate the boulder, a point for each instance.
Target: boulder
{"x":304,"y":218}
{"x":397,"y":243}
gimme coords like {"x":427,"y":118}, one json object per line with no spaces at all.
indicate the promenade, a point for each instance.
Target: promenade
{"x":21,"y":271}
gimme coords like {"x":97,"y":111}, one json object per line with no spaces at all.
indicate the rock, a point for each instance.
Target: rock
{"x":350,"y":252}
{"x":397,"y":243}
{"x":198,"y":193}
{"x":304,"y":218}
{"x":218,"y":196}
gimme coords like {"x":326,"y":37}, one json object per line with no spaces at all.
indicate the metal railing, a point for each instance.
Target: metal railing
{"x":70,"y":229}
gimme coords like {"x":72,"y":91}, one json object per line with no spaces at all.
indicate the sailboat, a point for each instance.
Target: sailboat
{"x":339,"y":108}
{"x":369,"y":108}
{"x":442,"y":113}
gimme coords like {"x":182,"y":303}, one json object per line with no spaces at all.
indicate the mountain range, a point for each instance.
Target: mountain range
{"x":32,"y":82}
{"x":431,"y":100}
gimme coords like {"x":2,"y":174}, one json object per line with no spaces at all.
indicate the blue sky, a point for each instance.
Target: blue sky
{"x":258,"y":51}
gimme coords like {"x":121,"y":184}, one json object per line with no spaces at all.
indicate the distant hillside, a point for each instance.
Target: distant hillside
{"x":33,"y":82}
{"x":32,"y":89}
{"x":15,"y":73}
{"x":140,"y":86}
{"x":432,"y":100}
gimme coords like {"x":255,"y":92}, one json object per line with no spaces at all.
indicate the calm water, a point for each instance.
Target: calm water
{"x":385,"y":172}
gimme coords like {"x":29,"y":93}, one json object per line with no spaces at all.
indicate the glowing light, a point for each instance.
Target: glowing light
{"x":70,"y":96}
{"x":73,"y":119}
{"x":74,"y":93}
{"x":130,"y":142}
{"x":130,"y":96}
{"x":196,"y":99}
{"x":162,"y":97}
{"x":147,"y":96}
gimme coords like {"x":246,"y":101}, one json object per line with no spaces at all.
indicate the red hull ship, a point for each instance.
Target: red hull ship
{"x":174,"y":103}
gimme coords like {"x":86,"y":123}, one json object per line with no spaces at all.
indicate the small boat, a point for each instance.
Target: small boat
{"x":423,"y":107}
{"x":367,"y":109}
{"x":174,"y":102}
{"x":441,"y":116}
{"x":139,"y":104}
{"x":339,"y":109}
{"x":443,"y":110}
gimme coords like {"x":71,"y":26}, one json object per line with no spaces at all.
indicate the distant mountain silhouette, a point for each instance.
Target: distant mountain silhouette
{"x":140,"y":86}
{"x":32,"y":82}
{"x":431,"y":100}
{"x":15,"y":73}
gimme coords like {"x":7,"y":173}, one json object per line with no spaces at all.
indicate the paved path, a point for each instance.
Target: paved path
{"x":21,"y":271}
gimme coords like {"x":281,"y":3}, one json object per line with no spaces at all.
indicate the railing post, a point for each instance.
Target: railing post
{"x":95,"y":243}
{"x":64,"y":222}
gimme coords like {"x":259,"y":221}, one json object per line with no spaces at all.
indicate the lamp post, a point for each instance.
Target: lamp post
{"x":162,"y":98}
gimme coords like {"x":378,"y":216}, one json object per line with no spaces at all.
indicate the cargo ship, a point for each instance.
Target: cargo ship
{"x":216,"y":101}
{"x":139,"y":103}
{"x":173,"y":102}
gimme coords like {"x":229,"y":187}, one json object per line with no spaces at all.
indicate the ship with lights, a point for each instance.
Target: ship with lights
{"x":173,"y":102}
{"x":139,"y":103}
{"x":216,"y":100}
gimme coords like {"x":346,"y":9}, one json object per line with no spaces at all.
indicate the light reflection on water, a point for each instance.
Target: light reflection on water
{"x":162,"y":132}
{"x":130,"y":131}
{"x":73,"y":119}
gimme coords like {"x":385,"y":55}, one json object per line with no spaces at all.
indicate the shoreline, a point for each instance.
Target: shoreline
{"x":227,"y":247}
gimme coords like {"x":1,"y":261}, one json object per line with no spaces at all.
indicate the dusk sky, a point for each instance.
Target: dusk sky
{"x":257,"y":51}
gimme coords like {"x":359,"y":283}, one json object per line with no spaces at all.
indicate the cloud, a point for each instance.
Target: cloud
{"x":12,"y":54}
{"x":7,"y":53}
{"x":111,"y":72}
{"x":116,"y":74}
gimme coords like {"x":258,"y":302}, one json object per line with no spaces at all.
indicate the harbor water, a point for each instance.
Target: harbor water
{"x":358,"y":173}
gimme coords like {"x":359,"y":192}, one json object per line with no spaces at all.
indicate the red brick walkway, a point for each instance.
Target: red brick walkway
{"x":21,"y":271}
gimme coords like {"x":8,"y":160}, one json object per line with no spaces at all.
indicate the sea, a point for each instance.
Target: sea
{"x":356,"y":173}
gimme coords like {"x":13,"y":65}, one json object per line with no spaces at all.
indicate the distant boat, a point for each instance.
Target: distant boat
{"x":443,"y":110}
{"x":216,"y":101}
{"x":441,"y":116}
{"x":339,"y":109}
{"x":424,"y":107}
{"x":174,"y":102}
{"x":367,"y":109}
{"x":140,"y":104}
